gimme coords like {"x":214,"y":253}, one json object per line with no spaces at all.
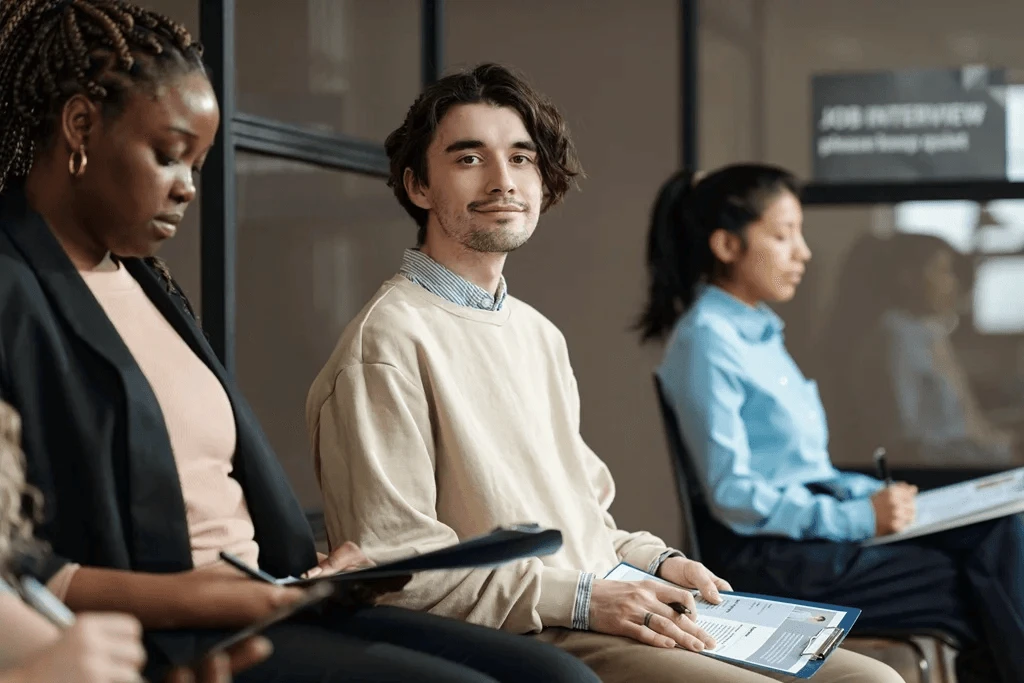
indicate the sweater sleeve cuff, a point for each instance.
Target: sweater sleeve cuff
{"x":861,"y":516}
{"x":656,"y":562}
{"x":581,"y":608}
{"x":644,"y":556}
{"x":556,"y":605}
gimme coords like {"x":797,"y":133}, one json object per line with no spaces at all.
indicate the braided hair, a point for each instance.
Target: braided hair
{"x":52,"y":50}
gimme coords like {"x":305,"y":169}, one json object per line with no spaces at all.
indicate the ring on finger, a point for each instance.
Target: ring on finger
{"x":647,"y":619}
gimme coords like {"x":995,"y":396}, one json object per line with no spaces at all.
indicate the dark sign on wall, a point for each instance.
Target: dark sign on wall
{"x":915,"y":125}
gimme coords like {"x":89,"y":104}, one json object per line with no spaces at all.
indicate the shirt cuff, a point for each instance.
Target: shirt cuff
{"x":556,"y":605}
{"x":861,"y":516}
{"x":581,"y":606}
{"x":656,"y":562}
{"x":60,"y":582}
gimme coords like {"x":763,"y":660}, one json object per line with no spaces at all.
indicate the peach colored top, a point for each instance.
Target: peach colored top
{"x":198,"y":416}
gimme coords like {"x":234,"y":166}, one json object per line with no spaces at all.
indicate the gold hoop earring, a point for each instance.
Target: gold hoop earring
{"x":78,"y":162}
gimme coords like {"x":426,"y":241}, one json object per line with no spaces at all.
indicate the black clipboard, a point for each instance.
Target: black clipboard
{"x":501,"y":545}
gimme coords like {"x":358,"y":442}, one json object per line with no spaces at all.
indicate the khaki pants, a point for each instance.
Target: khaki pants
{"x":620,"y":660}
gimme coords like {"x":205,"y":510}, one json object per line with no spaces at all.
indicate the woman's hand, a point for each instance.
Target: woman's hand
{"x":220,"y":667}
{"x":221,"y":598}
{"x":99,"y":648}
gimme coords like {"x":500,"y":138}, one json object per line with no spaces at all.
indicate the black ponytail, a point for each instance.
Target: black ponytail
{"x":669,"y":259}
{"x":688,"y":210}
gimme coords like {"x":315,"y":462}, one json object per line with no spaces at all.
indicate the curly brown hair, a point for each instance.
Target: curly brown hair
{"x":15,"y":527}
{"x":493,"y":84}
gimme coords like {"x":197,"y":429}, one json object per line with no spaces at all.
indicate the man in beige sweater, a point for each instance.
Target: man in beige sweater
{"x":449,"y":408}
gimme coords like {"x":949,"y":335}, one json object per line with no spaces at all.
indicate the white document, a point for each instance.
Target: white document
{"x":761,"y":631}
{"x":950,"y":507}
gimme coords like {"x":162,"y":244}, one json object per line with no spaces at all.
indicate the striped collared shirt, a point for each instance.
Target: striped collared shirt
{"x":424,"y":271}
{"x":419,"y":268}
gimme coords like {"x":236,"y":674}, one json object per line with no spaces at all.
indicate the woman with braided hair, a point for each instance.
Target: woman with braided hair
{"x":149,"y":459}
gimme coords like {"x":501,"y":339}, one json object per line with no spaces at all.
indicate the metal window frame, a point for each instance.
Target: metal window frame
{"x":272,"y":138}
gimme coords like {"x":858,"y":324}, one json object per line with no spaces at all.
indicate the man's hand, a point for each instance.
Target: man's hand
{"x":690,"y":574}
{"x":344,"y":558}
{"x":220,"y":667}
{"x":894,"y":508}
{"x":640,"y":610}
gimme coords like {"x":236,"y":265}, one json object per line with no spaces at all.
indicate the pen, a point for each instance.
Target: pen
{"x":253,"y":572}
{"x":46,"y":603}
{"x":679,"y":608}
{"x":882,"y":466}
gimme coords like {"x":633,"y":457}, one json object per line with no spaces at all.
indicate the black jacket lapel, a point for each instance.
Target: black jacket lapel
{"x":156,"y":513}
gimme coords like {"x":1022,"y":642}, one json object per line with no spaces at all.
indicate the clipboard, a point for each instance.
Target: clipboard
{"x":817,"y":649}
{"x":835,"y":635}
{"x":823,"y":644}
{"x":502,"y":545}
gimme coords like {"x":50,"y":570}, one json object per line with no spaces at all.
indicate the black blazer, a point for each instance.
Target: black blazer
{"x":95,"y":440}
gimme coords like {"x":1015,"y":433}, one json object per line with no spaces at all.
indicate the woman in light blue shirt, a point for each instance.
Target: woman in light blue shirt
{"x":774,"y":514}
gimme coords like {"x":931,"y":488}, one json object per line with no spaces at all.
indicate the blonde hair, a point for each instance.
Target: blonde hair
{"x":15,"y":527}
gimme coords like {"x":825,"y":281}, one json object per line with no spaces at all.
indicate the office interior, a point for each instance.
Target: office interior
{"x":285,"y":259}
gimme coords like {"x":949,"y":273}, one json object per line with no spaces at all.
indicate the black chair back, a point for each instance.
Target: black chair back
{"x":687,"y":484}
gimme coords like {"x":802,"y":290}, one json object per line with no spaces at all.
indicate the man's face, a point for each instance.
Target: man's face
{"x":484,"y":188}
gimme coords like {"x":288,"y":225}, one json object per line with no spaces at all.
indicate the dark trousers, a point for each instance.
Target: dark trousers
{"x":391,"y":645}
{"x":968,"y":582}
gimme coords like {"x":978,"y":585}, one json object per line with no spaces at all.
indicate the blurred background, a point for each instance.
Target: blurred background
{"x":910,"y":316}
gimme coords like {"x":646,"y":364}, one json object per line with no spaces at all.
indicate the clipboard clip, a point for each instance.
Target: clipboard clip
{"x":822,"y":644}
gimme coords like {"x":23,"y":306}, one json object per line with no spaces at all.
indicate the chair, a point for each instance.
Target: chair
{"x":932,"y":650}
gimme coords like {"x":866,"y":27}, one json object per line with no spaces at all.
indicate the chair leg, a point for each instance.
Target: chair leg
{"x":947,"y":660}
{"x":923,"y":667}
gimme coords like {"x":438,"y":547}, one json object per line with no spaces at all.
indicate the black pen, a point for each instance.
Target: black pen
{"x":253,"y":572}
{"x":882,"y":466}
{"x":680,"y":608}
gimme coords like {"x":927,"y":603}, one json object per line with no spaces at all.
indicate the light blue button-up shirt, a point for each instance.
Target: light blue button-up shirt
{"x":755,"y":427}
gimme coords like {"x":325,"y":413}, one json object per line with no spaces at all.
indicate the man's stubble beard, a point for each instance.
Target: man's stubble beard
{"x":501,"y":240}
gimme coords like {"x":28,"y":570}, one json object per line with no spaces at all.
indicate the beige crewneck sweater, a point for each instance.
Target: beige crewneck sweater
{"x":197,"y":413}
{"x":433,"y":422}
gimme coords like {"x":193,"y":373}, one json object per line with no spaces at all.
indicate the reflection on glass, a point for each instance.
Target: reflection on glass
{"x":351,"y":66}
{"x":896,"y":377}
{"x":313,"y":246}
{"x":998,"y":285}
